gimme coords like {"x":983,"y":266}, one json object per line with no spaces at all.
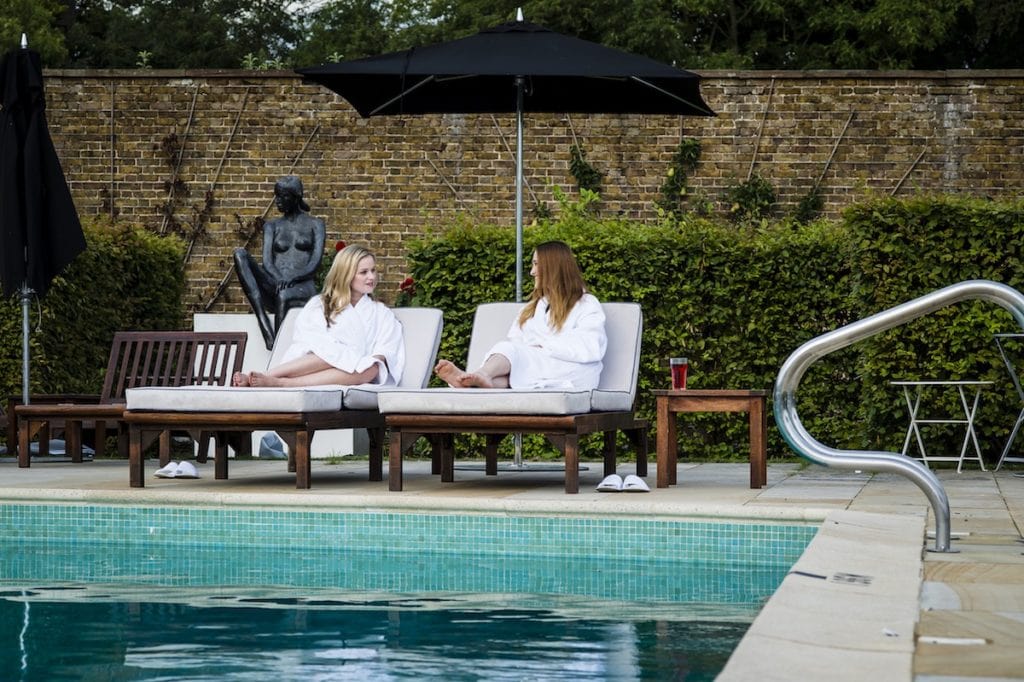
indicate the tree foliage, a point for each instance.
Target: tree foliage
{"x":38,"y":21}
{"x":783,"y":34}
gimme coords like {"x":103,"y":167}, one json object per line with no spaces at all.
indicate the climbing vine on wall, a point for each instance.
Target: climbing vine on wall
{"x":674,"y":190}
{"x":587,"y":177}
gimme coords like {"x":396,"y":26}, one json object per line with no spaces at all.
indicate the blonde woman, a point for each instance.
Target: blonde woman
{"x":342,"y":336}
{"x":557,"y":342}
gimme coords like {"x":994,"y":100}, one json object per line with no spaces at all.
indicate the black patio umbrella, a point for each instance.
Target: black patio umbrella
{"x":516,"y":67}
{"x":40,"y":233}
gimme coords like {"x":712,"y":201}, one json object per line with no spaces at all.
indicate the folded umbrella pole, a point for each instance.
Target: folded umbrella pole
{"x":40,"y":233}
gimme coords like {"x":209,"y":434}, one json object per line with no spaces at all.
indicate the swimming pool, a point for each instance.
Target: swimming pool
{"x":236,"y":593}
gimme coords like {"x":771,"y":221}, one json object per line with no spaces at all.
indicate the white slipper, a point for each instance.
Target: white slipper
{"x":186,"y":470}
{"x":167,"y":471}
{"x":611,"y":484}
{"x":634,"y":484}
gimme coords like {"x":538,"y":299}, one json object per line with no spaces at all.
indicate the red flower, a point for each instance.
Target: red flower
{"x":408,"y":286}
{"x":339,"y":245}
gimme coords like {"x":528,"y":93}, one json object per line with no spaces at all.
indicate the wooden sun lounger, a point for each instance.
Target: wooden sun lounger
{"x":295,"y":413}
{"x":157,"y":358}
{"x":561,"y":416}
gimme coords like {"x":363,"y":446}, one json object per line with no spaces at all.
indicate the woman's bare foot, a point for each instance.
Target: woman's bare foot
{"x":449,"y":373}
{"x":240,"y":379}
{"x":260,"y":379}
{"x":457,"y":378}
{"x":476,"y":380}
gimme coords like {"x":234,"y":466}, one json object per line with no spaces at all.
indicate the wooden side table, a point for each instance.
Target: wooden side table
{"x":671,"y":402}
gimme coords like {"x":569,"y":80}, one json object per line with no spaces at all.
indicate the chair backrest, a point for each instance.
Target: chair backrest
{"x":176,"y":358}
{"x":490,"y":325}
{"x":623,"y":325}
{"x":421,"y":331}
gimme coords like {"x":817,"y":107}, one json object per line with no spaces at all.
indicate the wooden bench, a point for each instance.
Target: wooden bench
{"x":671,"y":402}
{"x":160,"y":358}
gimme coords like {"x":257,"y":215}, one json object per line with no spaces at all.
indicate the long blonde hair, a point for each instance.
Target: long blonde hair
{"x":559,"y":279}
{"x":337,"y":292}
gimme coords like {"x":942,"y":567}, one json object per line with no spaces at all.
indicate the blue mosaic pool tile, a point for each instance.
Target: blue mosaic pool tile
{"x":727,"y":542}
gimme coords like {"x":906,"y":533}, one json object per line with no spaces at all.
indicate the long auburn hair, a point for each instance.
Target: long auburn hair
{"x":559,"y":279}
{"x":337,"y":292}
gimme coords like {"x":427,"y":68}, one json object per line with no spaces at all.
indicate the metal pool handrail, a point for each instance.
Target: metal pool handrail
{"x":793,"y":369}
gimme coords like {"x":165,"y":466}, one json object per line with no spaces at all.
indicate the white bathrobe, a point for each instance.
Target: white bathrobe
{"x":569,"y":359}
{"x":358,"y":334}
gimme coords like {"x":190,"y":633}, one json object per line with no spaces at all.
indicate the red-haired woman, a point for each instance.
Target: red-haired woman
{"x":557,"y":342}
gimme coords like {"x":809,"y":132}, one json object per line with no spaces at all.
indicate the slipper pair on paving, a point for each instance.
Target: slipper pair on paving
{"x":177,"y":470}
{"x":617,"y":484}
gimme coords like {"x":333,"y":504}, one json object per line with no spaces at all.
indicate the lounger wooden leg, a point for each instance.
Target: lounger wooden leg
{"x":73,"y":440}
{"x":289,"y":440}
{"x":492,"y":441}
{"x":203,"y":441}
{"x":640,"y":440}
{"x":395,"y":461}
{"x":446,"y":443}
{"x":44,"y":439}
{"x":220,"y":456}
{"x":24,"y":443}
{"x":572,"y":463}
{"x":609,"y":452}
{"x":376,"y":438}
{"x":164,"y":447}
{"x":99,"y":439}
{"x":135,"y":463}
{"x":242,"y":443}
{"x":436,"y":447}
{"x":303,"y":470}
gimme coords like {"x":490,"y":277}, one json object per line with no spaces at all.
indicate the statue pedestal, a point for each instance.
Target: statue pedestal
{"x":325,"y":444}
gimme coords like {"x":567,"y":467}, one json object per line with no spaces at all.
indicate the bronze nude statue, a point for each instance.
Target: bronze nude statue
{"x":293,"y":247}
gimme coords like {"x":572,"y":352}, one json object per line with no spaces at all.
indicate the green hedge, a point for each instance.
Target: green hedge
{"x":126,"y":279}
{"x":739,"y":300}
{"x":909,"y":248}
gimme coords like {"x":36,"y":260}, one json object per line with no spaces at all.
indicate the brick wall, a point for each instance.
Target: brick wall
{"x":384,"y":180}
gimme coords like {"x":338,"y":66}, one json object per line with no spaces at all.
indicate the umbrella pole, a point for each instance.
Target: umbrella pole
{"x":520,"y":84}
{"x":517,"y":438}
{"x":26,"y":298}
{"x":517,"y":460}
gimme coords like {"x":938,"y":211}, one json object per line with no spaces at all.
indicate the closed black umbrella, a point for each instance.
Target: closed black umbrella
{"x":40,"y":233}
{"x":514,"y":67}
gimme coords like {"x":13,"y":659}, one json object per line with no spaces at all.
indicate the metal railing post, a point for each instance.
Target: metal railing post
{"x":802,"y":358}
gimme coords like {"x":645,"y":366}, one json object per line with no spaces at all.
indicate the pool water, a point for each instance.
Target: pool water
{"x":420,"y":638}
{"x":112,"y":593}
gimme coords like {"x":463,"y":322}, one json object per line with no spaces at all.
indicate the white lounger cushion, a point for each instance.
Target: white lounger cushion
{"x":483,"y":401}
{"x":234,"y":399}
{"x":610,"y":401}
{"x":615,"y":393}
{"x":421,"y":331}
{"x":364,"y":397}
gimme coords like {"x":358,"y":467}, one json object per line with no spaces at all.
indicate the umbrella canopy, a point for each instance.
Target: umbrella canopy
{"x":476,"y":75}
{"x":39,"y":229}
{"x":513,"y":67}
